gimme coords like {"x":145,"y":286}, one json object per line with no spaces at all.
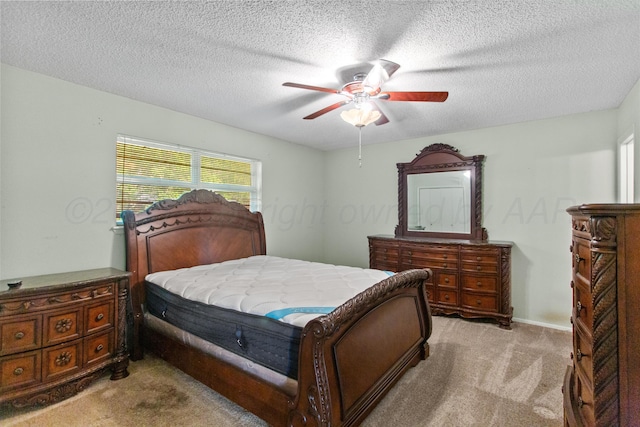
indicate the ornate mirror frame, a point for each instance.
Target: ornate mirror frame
{"x":442,"y":158}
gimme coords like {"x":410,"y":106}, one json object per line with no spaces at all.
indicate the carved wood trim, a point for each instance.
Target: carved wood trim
{"x":605,"y":319}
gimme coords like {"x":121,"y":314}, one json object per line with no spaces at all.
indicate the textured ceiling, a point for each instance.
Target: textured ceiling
{"x":502,"y":61}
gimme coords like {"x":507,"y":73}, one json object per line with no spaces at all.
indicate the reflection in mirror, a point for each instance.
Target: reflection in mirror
{"x":439,"y":202}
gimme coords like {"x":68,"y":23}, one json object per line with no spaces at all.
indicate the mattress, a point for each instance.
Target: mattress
{"x":255,"y":307}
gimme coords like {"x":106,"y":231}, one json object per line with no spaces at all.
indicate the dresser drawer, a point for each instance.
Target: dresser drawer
{"x":447,"y":280}
{"x":584,"y":398}
{"x":99,"y":317}
{"x":61,"y":359}
{"x":581,"y":261}
{"x":448,"y":297}
{"x":582,"y":307}
{"x":582,"y":356}
{"x":62,"y":326}
{"x":20,"y":334}
{"x":419,"y":262}
{"x":479,"y":283}
{"x":98,"y":347}
{"x":480,"y":302}
{"x":432,"y":252}
{"x":20,"y":370}
{"x":488,"y":257}
{"x":480,"y":268}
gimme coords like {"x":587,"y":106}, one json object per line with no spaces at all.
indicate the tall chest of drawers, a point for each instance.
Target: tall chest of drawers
{"x":602,"y":384}
{"x":471,"y":279}
{"x":59,"y":332}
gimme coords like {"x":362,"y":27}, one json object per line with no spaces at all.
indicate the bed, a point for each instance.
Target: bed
{"x":346,"y":358}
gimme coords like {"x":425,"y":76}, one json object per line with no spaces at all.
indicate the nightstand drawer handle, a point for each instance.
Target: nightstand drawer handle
{"x":63,"y":325}
{"x":63,"y":359}
{"x":18,"y":371}
{"x":444,"y":265}
{"x":99,"y":348}
{"x":479,"y":268}
{"x":479,"y":284}
{"x":19,"y":335}
{"x":99,"y":317}
{"x":446,"y":280}
{"x":479,"y":302}
{"x":446,"y":297}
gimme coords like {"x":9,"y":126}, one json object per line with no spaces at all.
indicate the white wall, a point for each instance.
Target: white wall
{"x":629,"y":122}
{"x":532,"y":172}
{"x":58,"y":174}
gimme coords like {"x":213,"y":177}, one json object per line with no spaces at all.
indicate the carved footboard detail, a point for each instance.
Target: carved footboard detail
{"x":360,"y":350}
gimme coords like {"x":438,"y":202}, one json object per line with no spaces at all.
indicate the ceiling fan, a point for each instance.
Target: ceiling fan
{"x":366,"y":88}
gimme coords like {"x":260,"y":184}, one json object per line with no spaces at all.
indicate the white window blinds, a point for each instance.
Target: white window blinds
{"x":148,"y":171}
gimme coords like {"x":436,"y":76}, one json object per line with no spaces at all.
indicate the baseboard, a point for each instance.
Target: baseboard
{"x":544,"y":325}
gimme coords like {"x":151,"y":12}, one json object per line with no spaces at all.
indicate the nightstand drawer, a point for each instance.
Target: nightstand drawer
{"x":99,"y":317}
{"x":61,"y":359}
{"x":98,"y":348}
{"x":20,"y":370}
{"x":62,"y":326}
{"x":20,"y":334}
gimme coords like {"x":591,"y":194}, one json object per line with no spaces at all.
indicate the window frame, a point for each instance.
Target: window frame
{"x":254,"y":190}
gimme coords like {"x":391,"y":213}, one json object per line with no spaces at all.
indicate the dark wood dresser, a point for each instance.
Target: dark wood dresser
{"x":59,"y":332}
{"x":471,"y":279}
{"x":602,"y":385}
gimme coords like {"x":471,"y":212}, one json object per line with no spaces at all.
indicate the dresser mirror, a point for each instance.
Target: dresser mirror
{"x":440,"y":195}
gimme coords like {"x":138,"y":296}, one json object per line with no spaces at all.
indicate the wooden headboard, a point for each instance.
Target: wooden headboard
{"x":201,"y":227}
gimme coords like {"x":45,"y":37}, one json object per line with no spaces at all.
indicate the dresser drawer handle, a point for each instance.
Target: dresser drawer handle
{"x":478,"y":258}
{"x":445,"y":256}
{"x":99,"y":317}
{"x":18,"y":371}
{"x":479,"y":302}
{"x":446,"y":297}
{"x":446,"y":280}
{"x":444,"y":265}
{"x":579,"y":308}
{"x":19,"y":335}
{"x":479,"y":268}
{"x":479,"y":284}
{"x":99,"y":348}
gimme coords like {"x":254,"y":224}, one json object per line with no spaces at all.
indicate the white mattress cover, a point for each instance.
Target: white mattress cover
{"x":266,"y":284}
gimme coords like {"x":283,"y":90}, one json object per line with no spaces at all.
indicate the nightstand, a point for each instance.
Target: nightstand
{"x":59,"y":332}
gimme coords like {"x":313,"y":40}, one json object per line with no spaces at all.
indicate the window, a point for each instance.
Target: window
{"x":148,"y":171}
{"x":626,"y":170}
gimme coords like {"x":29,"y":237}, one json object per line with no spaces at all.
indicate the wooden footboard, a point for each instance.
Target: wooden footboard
{"x":352,"y":356}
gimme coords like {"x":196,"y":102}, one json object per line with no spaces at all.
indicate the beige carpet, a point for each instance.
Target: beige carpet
{"x":477,"y":375}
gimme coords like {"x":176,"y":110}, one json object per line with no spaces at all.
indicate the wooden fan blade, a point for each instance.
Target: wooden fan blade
{"x":327,"y":109}
{"x":414,"y":96}
{"x":318,"y":88}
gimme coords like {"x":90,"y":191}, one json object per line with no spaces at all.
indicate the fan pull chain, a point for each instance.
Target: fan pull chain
{"x":360,"y":146}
